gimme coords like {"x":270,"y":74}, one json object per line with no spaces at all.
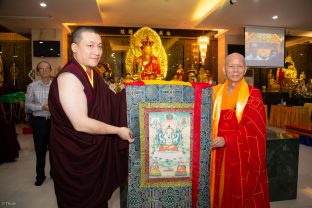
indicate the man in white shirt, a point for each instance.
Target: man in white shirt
{"x":37,"y":102}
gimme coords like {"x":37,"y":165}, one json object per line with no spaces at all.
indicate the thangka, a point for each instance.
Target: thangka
{"x":169,"y":160}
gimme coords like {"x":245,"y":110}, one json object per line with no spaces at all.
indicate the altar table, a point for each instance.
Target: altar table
{"x":280,"y":116}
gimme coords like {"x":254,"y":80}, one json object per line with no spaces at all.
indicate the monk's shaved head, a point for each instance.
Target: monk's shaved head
{"x":235,"y":55}
{"x":76,"y":35}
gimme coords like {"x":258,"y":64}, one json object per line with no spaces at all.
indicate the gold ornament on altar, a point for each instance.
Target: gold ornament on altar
{"x":273,"y":86}
{"x":302,"y":76}
{"x":203,"y":76}
{"x":192,"y":75}
{"x":14,"y":73}
{"x":289,"y":71}
{"x":146,"y":57}
{"x":287,"y":76}
{"x":180,"y":73}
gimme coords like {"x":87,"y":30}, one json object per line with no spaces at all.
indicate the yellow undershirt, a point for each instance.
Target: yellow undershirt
{"x":89,"y":75}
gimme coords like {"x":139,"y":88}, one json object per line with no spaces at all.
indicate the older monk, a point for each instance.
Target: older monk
{"x":238,"y":163}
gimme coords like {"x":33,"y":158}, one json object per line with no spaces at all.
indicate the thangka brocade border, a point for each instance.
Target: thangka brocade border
{"x":176,"y":196}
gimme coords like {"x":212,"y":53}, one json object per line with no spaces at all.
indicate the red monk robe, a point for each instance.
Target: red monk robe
{"x":238,"y":170}
{"x":87,"y":168}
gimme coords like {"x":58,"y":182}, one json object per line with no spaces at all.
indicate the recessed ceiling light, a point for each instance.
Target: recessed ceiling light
{"x":42,"y":4}
{"x":275,"y":17}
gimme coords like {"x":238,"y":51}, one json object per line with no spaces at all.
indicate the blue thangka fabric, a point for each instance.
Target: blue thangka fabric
{"x":142,"y":193}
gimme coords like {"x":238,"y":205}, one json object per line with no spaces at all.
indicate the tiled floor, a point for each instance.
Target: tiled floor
{"x":17,"y":179}
{"x":17,"y":189}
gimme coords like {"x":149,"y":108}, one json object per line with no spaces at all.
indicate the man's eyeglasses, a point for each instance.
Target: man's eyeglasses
{"x":42,"y":69}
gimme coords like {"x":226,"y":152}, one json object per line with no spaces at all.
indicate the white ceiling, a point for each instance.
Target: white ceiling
{"x":22,"y":15}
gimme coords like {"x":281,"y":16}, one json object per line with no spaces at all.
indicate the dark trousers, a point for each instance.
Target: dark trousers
{"x":41,"y":133}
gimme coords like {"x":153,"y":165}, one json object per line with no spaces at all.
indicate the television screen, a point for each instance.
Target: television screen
{"x":43,"y":48}
{"x":264,"y":46}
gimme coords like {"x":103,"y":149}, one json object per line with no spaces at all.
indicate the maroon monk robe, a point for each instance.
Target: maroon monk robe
{"x":87,"y":168}
{"x":9,"y":145}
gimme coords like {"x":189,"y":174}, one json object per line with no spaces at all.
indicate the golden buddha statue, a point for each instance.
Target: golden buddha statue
{"x":273,"y":86}
{"x":192,"y":75}
{"x":203,"y":76}
{"x":146,"y":58}
{"x":302,"y":76}
{"x":147,"y":64}
{"x":175,"y":78}
{"x":128,"y":78}
{"x":289,"y":72}
{"x":301,"y":87}
{"x":180,"y":73}
{"x":287,"y":76}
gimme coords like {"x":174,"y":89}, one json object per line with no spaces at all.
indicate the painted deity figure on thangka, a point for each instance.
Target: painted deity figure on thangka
{"x":155,"y":170}
{"x":169,"y":136}
{"x":181,"y":169}
{"x":169,"y":145}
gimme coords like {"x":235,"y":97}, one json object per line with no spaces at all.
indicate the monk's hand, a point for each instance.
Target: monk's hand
{"x":125,"y":134}
{"x":217,"y":142}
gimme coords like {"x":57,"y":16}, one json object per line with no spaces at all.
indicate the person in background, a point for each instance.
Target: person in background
{"x":37,"y":101}
{"x":9,"y":145}
{"x":238,"y":164}
{"x":89,"y":141}
{"x":253,"y":53}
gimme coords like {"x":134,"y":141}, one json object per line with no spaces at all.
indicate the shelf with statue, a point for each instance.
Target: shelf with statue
{"x":146,"y":58}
